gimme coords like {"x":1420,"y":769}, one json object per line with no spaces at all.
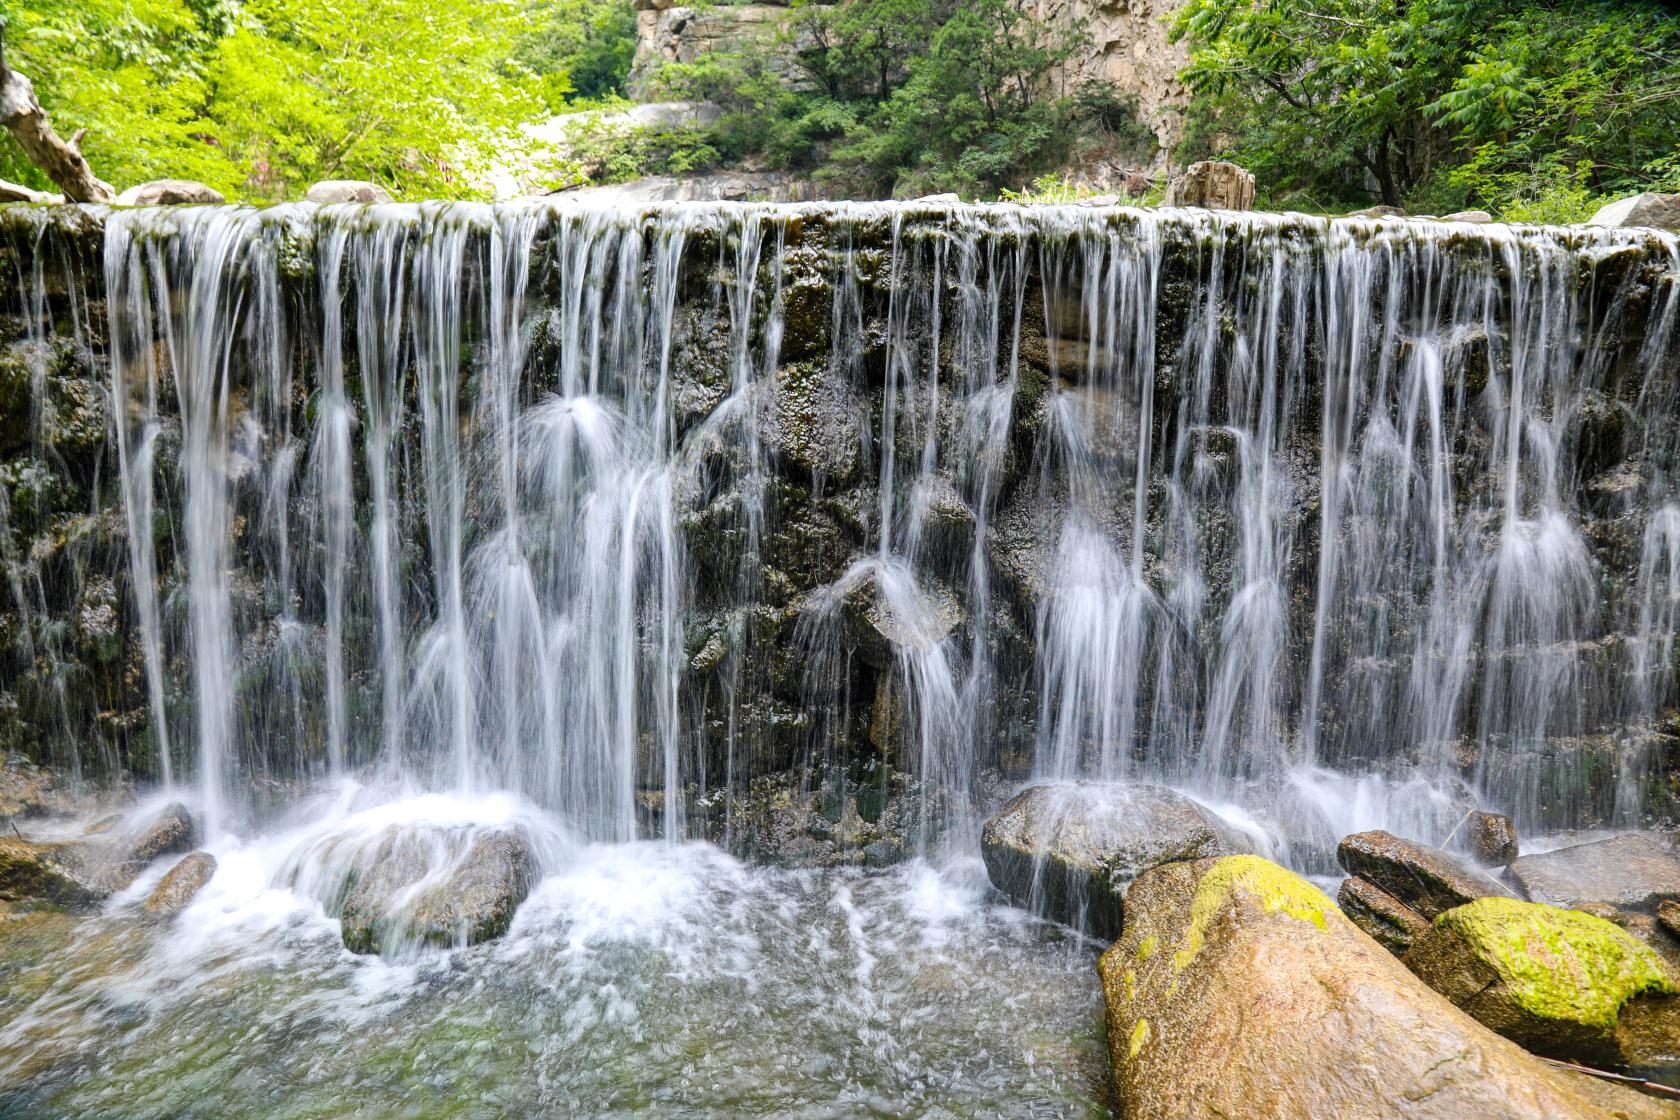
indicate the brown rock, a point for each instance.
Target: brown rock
{"x":1492,"y":838}
{"x":170,"y":831}
{"x":1633,"y":871}
{"x":1668,"y":913}
{"x":436,"y":887}
{"x":1213,"y":185}
{"x":1426,"y":879}
{"x":56,"y":873}
{"x":183,"y":881}
{"x":1391,"y":922}
{"x":1239,"y":990}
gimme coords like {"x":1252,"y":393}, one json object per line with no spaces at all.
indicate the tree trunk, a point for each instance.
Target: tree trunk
{"x":61,"y":160}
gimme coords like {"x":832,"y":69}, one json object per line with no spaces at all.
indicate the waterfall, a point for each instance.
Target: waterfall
{"x":609,"y":509}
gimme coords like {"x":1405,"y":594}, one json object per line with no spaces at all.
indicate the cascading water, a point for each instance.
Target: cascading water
{"x":458,"y":518}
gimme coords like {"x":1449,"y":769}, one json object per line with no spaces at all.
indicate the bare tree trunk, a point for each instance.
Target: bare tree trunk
{"x":61,"y":160}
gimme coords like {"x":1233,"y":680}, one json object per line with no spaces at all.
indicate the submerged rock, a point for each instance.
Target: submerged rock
{"x":170,"y":192}
{"x":1560,"y":982}
{"x":1492,"y":838}
{"x":183,"y":881}
{"x":425,"y":886}
{"x":1239,"y":990}
{"x":1393,"y":924}
{"x":1426,"y":879}
{"x":1633,"y":871}
{"x":330,"y":191}
{"x":1072,"y":848}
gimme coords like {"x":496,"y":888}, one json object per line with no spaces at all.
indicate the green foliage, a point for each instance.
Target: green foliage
{"x":1526,"y":108}
{"x":580,"y":49}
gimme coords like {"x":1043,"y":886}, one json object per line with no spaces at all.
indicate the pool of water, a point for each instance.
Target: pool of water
{"x":644,"y":979}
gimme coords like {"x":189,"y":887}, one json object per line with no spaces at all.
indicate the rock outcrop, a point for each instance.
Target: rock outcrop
{"x":1071,"y":849}
{"x":1212,"y":185}
{"x":1426,"y":879}
{"x":1239,"y":990}
{"x":1633,"y":871}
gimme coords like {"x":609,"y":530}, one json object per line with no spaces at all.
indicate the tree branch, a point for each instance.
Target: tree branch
{"x":62,"y":162}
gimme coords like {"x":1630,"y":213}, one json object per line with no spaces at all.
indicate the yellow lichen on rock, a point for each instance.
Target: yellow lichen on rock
{"x":1279,"y":891}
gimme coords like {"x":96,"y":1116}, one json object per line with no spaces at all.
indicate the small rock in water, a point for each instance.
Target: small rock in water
{"x":1492,"y":838}
{"x":1239,"y":990}
{"x":1074,"y":847}
{"x":1561,"y":983}
{"x":183,"y":881}
{"x":330,"y":191}
{"x":171,"y":831}
{"x":170,"y":192}
{"x":1393,"y":924}
{"x":1424,"y":878}
{"x":416,"y":890}
{"x":1632,"y":871}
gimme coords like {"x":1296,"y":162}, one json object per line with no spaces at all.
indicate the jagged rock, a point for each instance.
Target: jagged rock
{"x":1632,"y":871}
{"x":1468,"y":216}
{"x":170,"y":192}
{"x":1073,"y":847}
{"x":170,"y":831}
{"x":183,"y":881}
{"x":1559,"y":982}
{"x":1213,"y":185}
{"x":1668,"y":914}
{"x":1492,"y":838}
{"x":1426,"y":879}
{"x":1239,"y":990}
{"x":332,"y":191}
{"x":404,"y":896}
{"x":1393,"y":924}
{"x":1661,"y":211}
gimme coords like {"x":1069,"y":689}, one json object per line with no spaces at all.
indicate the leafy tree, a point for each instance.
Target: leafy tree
{"x":581,"y":49}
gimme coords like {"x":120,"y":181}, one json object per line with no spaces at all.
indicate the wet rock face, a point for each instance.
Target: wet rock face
{"x":1561,"y":983}
{"x":1634,"y":871}
{"x":1393,"y":924}
{"x":1071,"y":849}
{"x":182,"y":883}
{"x":1238,"y":989}
{"x":424,"y":887}
{"x":1426,"y":879}
{"x":55,"y":873}
{"x":171,"y":831}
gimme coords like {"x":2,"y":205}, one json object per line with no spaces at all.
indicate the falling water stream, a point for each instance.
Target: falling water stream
{"x":460,"y":517}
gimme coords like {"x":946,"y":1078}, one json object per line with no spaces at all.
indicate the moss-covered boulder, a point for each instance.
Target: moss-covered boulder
{"x":52,"y":872}
{"x":1069,"y":849}
{"x":1426,"y":879}
{"x":1633,"y":871}
{"x":1560,"y":982}
{"x":1391,"y":922}
{"x":439,"y":887}
{"x":1239,"y":990}
{"x":182,"y":883}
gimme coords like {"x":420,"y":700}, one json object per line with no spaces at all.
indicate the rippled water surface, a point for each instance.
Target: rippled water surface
{"x":643,"y":979}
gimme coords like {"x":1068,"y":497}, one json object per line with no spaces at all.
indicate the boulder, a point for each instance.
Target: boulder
{"x":332,"y":191}
{"x":1633,"y":871}
{"x":1069,"y":849}
{"x":1213,"y":185}
{"x":1379,"y":212}
{"x":183,"y":881}
{"x":170,"y":831}
{"x":1468,"y":216}
{"x":1239,"y":990}
{"x":1426,"y":879}
{"x":1393,"y":924}
{"x":1660,"y":211}
{"x":1561,"y":983}
{"x":1668,"y":915}
{"x":170,"y":192}
{"x":439,"y":887}
{"x":1492,"y":838}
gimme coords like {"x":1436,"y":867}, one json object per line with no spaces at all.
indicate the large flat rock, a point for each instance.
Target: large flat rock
{"x":1633,"y":871}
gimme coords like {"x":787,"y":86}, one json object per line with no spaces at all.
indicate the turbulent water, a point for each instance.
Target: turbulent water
{"x":595,"y":518}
